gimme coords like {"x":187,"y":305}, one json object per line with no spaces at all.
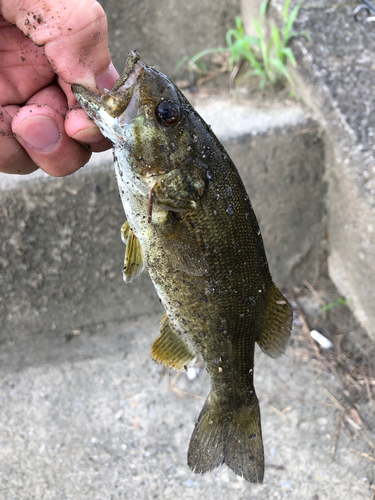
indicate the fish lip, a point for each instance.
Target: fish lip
{"x":129,"y":76}
{"x":89,"y":101}
{"x":116,"y":101}
{"x":129,"y":87}
{"x":130,"y":80}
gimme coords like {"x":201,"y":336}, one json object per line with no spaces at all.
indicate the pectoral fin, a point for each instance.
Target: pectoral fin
{"x":134,"y":262}
{"x":171,"y":349}
{"x":277,"y":324}
{"x":180,"y":247}
{"x":125,"y":231}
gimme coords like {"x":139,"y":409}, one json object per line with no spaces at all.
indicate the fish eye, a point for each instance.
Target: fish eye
{"x":168,"y":113}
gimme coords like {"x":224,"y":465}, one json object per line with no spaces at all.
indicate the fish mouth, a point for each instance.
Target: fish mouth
{"x":121,"y":101}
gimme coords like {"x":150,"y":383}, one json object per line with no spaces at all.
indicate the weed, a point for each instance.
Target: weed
{"x":341,"y":301}
{"x":266,"y":59}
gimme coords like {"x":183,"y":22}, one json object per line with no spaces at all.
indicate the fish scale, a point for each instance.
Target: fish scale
{"x":189,"y":219}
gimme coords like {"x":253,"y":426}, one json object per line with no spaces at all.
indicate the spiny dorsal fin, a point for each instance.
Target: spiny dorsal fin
{"x":171,"y":349}
{"x":134,"y":262}
{"x":181,"y":248}
{"x":277,"y":324}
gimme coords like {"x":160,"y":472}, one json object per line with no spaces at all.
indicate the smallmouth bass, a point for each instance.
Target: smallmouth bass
{"x":190,"y":220}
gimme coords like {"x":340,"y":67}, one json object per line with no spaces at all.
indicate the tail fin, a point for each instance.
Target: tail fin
{"x":222,"y":435}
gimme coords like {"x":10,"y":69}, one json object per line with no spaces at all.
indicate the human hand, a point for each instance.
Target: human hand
{"x":40,"y":40}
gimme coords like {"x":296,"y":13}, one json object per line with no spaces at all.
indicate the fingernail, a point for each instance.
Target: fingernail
{"x":88,"y":136}
{"x":39,"y":132}
{"x":107,"y":79}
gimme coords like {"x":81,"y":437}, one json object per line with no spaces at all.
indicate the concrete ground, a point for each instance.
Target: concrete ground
{"x":89,"y":415}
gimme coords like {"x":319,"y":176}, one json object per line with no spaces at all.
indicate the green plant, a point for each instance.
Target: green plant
{"x":341,"y":301}
{"x":266,"y":59}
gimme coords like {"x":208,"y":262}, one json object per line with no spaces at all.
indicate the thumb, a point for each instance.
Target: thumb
{"x":74,"y":36}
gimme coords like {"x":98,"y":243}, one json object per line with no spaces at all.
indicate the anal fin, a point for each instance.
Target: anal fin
{"x":171,"y":349}
{"x":134,"y":262}
{"x":277,"y":324}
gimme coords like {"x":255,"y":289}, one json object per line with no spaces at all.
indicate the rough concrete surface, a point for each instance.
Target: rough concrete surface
{"x":166,"y":31}
{"x":91,"y":416}
{"x":61,"y":253}
{"x":336,"y":78}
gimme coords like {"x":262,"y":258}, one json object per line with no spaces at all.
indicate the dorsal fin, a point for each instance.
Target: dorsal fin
{"x":134,"y":262}
{"x":277,"y":324}
{"x":171,"y":349}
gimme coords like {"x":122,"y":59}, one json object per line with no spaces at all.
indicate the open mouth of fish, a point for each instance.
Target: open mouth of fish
{"x":117,"y":106}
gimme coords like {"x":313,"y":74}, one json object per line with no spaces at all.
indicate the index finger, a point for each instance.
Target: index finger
{"x":74,"y":36}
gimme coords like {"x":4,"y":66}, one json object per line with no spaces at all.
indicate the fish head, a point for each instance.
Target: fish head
{"x":144,"y":116}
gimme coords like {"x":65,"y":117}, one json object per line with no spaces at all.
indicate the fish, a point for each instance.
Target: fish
{"x":190,"y":221}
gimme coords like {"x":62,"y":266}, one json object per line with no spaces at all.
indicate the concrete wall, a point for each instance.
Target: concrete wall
{"x":336,"y":78}
{"x":61,"y":256}
{"x":165,"y":31}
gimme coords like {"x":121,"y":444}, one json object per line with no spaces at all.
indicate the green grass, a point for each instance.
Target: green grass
{"x":341,"y":301}
{"x":266,"y":59}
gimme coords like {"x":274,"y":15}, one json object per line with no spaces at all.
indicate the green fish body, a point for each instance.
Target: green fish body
{"x":189,"y":219}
